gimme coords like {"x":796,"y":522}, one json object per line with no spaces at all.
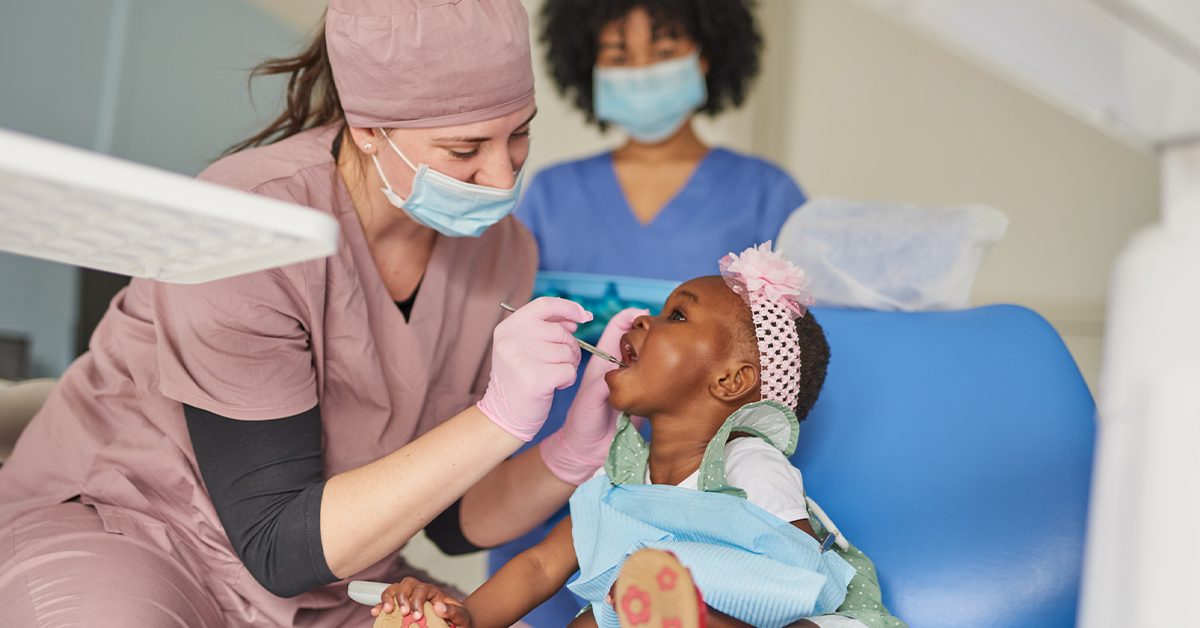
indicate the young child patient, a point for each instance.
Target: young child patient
{"x":708,"y":524}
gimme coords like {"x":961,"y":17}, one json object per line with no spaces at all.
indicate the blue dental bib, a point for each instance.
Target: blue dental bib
{"x":747,"y":563}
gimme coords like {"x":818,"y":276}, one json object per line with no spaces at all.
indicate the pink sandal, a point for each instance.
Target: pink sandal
{"x":428,"y":619}
{"x":655,"y":591}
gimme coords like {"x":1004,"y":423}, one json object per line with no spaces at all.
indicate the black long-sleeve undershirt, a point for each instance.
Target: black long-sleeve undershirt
{"x":265,"y":479}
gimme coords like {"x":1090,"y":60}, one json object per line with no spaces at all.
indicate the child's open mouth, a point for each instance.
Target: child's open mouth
{"x":628,"y":353}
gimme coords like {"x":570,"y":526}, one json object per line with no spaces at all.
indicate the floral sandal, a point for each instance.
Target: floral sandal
{"x":394,"y":619}
{"x":655,"y":591}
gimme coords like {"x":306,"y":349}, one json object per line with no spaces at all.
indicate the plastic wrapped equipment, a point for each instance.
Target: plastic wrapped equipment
{"x":883,"y":256}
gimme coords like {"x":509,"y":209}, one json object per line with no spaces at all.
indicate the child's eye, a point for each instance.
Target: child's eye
{"x":676,"y":315}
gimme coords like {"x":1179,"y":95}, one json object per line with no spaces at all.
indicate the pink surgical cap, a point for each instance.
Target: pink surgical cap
{"x":429,"y":63}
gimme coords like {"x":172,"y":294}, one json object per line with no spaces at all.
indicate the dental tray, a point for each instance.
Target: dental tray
{"x":603,"y":295}
{"x":78,"y":207}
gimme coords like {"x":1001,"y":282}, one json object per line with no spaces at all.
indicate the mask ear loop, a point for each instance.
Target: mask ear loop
{"x":379,"y":169}
{"x":381,"y":175}
{"x":389,"y":141}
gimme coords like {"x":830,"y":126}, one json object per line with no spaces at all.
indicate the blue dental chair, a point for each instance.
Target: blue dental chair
{"x":954,"y":449}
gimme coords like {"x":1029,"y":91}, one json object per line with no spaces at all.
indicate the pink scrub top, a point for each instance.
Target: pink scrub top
{"x":266,"y":345}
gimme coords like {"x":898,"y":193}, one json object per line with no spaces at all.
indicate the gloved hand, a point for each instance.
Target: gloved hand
{"x":574,"y":452}
{"x":533,"y":354}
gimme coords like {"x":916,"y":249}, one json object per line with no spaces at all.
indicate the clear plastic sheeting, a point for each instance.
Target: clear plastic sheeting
{"x":1129,"y":66}
{"x":886,"y":256}
{"x":86,"y":209}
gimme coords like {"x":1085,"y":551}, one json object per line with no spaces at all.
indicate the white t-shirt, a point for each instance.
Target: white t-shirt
{"x":769,"y":479}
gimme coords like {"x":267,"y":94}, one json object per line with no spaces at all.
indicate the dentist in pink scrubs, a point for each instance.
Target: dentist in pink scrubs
{"x":231,"y":453}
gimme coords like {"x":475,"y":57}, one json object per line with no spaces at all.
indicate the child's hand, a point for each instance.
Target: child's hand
{"x":410,"y":595}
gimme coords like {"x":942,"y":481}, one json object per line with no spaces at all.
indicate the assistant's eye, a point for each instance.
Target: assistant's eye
{"x":520,"y":135}
{"x":676,"y":315}
{"x":463,"y":156}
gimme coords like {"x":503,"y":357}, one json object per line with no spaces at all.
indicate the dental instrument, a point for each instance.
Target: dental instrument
{"x":82,"y":208}
{"x":367,"y":592}
{"x":835,"y":535}
{"x":582,"y":345}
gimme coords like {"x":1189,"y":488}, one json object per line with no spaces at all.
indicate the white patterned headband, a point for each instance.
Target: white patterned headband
{"x":773,"y":287}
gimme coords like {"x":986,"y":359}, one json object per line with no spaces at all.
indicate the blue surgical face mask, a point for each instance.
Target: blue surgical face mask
{"x":447,"y":205}
{"x":652,"y":102}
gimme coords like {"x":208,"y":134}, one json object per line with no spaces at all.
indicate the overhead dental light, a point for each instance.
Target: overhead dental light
{"x":87,"y":209}
{"x":1132,"y":68}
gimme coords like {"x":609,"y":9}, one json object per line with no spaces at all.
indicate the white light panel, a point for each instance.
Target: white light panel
{"x":77,"y":207}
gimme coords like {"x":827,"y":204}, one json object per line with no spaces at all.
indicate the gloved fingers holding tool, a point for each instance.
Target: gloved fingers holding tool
{"x":533,"y":354}
{"x":575,"y":451}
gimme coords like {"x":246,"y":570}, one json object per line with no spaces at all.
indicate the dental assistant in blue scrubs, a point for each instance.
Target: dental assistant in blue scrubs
{"x":663,"y":205}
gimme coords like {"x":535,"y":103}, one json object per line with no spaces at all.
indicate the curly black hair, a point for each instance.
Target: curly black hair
{"x":814,"y":362}
{"x":724,"y":30}
{"x":814,"y":358}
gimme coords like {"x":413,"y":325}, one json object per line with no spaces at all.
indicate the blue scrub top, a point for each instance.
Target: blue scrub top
{"x":582,"y":222}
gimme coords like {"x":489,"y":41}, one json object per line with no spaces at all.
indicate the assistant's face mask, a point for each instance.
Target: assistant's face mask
{"x":447,"y":205}
{"x":652,"y":102}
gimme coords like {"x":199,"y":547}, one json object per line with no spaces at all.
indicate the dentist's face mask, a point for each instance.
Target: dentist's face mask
{"x":652,"y":102}
{"x":447,"y":205}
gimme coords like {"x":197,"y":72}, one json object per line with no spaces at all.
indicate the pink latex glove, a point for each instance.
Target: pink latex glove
{"x":574,"y":452}
{"x":533,"y":354}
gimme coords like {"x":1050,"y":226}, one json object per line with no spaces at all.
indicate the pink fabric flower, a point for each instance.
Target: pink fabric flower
{"x":760,"y":274}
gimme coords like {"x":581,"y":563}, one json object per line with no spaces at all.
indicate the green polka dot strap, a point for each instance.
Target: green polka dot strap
{"x":769,"y":420}
{"x":628,"y":455}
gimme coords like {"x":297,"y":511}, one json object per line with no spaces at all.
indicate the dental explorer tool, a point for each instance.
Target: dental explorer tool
{"x":582,"y":345}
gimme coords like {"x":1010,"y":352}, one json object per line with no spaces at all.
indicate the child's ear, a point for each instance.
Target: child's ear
{"x":736,"y":382}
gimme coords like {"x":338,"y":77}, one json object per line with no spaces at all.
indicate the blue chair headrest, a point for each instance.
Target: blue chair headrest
{"x":955,"y":449}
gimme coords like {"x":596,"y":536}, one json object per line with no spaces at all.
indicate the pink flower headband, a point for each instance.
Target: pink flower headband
{"x":773,"y":287}
{"x":760,"y":274}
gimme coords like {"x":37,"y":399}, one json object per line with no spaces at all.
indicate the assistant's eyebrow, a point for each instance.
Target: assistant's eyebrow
{"x":478,"y":140}
{"x":667,"y":31}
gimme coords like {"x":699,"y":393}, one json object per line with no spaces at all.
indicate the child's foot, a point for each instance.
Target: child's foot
{"x":394,"y":619}
{"x":655,"y":591}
